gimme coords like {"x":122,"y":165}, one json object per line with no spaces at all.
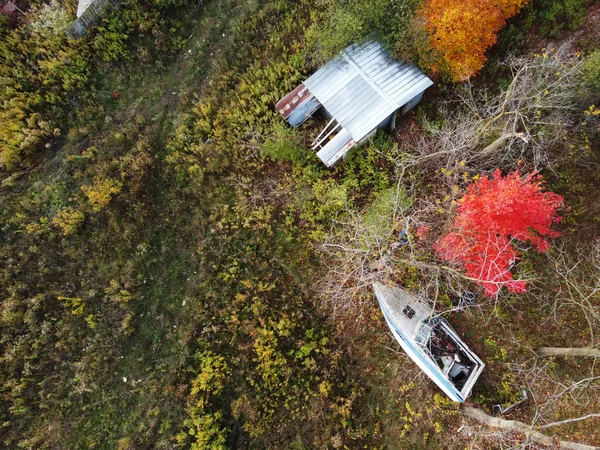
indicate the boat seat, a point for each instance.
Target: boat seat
{"x":457,"y":369}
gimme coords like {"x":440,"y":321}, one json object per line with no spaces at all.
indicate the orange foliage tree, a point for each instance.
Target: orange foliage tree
{"x":461,"y":31}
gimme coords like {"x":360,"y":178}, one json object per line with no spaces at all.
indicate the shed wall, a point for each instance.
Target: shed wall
{"x":89,"y":16}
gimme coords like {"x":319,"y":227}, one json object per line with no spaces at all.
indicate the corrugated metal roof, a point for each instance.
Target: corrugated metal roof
{"x":360,"y":89}
{"x":337,"y":147}
{"x":363,"y":85}
{"x":82,"y":6}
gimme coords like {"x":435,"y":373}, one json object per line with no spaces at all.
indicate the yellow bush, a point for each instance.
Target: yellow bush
{"x":101,"y":192}
{"x":68,"y":219}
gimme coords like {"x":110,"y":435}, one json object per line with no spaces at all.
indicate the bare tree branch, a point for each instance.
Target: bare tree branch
{"x":576,"y":419}
{"x":531,"y":115}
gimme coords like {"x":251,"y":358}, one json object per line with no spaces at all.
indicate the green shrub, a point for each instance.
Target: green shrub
{"x":380,"y":215}
{"x":554,"y":16}
{"x":49,"y":19}
{"x":110,"y":41}
{"x":591,"y":75}
{"x":207,"y":432}
{"x":367,"y":166}
{"x":348,"y":21}
{"x":40,"y":72}
{"x":214,"y":371}
{"x":4,"y":24}
{"x":284,"y":144}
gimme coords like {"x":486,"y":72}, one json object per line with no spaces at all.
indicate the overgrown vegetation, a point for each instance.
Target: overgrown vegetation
{"x":178,"y":270}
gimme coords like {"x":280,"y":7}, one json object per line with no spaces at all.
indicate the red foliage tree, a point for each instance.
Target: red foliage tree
{"x":493,"y":213}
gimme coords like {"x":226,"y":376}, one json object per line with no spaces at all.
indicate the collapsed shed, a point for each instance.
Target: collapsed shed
{"x":88,"y":13}
{"x":360,"y":91}
{"x":82,"y":6}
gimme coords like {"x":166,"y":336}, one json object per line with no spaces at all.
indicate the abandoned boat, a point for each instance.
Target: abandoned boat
{"x":430,"y":342}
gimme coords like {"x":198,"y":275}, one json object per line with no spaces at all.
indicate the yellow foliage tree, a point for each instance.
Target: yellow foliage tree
{"x":461,"y":32}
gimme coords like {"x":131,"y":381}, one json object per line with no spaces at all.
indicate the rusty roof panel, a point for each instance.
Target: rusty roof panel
{"x":298,"y":105}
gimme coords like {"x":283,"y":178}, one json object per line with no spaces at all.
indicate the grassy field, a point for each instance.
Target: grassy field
{"x":166,"y":282}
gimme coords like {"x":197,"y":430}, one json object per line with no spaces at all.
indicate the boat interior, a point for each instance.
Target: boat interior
{"x":450,"y":354}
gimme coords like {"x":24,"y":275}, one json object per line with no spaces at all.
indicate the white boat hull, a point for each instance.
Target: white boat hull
{"x":395,"y":303}
{"x":423,"y":363}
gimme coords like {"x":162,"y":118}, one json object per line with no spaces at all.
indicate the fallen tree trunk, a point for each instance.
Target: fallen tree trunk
{"x":520,"y":427}
{"x":499,"y":143}
{"x":569,"y":351}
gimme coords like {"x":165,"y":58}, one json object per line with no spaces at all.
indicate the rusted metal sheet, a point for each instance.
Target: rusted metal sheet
{"x":10,"y":10}
{"x":298,"y":105}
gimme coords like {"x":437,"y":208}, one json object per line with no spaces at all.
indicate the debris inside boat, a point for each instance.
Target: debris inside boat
{"x":430,"y":341}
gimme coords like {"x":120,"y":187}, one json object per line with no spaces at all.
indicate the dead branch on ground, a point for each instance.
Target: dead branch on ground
{"x":569,"y":351}
{"x":519,"y":427}
{"x":523,"y":121}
